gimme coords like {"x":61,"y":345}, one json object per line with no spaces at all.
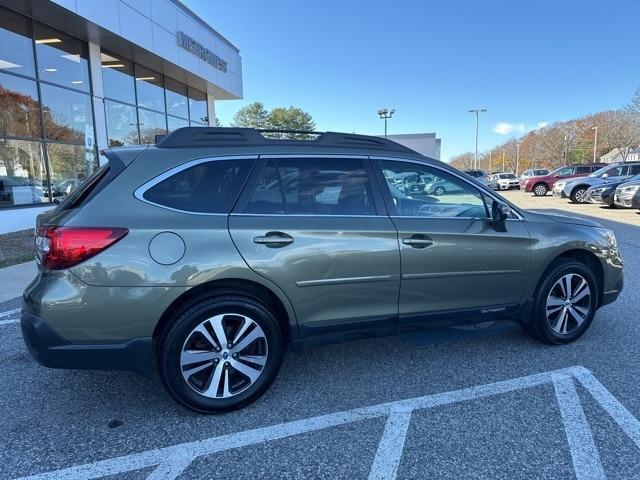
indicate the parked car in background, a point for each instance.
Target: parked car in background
{"x":576,"y":190}
{"x":505,"y":181}
{"x":479,"y":175}
{"x":627,"y":195}
{"x":441,"y":186}
{"x":534,"y":172}
{"x":540,"y":185}
{"x":604,"y":192}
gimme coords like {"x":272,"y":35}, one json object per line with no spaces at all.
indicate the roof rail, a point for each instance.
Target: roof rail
{"x":237,"y":137}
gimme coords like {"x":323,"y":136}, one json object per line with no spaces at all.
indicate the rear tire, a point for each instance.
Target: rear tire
{"x":540,"y":189}
{"x":554,"y":320}
{"x":227,"y":377}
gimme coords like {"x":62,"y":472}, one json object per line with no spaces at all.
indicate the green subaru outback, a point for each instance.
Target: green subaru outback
{"x":211,"y":253}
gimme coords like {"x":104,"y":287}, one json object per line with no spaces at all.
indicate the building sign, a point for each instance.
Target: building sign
{"x":189,"y":44}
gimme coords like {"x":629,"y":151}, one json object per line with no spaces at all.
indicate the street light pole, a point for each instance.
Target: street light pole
{"x":490,"y":162}
{"x":595,"y":142}
{"x":517,"y":158}
{"x":503,"y":160}
{"x":385,"y":114}
{"x":477,"y":111}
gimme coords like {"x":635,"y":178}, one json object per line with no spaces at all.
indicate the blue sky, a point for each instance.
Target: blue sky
{"x":526,"y":62}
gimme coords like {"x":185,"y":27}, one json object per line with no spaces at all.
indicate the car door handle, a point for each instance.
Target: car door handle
{"x":274,"y":239}
{"x":418,"y":241}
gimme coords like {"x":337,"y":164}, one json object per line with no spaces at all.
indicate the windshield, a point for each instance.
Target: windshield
{"x":600,"y":171}
{"x":507,"y":175}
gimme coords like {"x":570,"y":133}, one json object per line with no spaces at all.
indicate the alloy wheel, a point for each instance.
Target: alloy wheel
{"x":224,"y":355}
{"x":580,"y":195}
{"x":568,"y":303}
{"x":540,"y":190}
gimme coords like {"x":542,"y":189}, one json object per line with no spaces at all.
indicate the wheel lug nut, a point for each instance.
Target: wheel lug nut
{"x":226,"y":364}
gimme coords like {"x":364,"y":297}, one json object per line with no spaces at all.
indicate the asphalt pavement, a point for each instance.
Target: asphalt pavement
{"x":483,"y":402}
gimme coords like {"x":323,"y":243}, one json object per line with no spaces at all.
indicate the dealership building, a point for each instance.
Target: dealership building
{"x":77,"y":76}
{"x":424,"y":143}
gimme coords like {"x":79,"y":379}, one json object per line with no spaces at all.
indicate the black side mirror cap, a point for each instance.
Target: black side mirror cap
{"x":500,"y":211}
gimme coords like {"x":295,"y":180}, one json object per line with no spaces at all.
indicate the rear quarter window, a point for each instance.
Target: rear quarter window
{"x":206,"y":187}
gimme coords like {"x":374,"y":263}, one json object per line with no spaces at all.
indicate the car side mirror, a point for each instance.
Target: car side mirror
{"x":500,"y":211}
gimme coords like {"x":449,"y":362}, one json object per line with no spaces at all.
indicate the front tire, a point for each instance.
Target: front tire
{"x":220,"y":354}
{"x":540,"y":189}
{"x":564,"y":304}
{"x":579,"y":195}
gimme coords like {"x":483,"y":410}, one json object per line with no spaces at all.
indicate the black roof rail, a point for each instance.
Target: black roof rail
{"x":237,"y":137}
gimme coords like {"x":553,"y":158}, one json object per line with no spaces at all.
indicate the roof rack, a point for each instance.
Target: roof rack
{"x":238,"y":137}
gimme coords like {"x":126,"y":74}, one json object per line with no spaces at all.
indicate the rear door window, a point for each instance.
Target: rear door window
{"x":205,"y":187}
{"x":323,"y":186}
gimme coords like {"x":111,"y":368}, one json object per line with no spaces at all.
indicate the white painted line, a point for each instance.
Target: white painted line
{"x":11,"y":320}
{"x":8,"y":313}
{"x":387,"y":459}
{"x":584,"y":454}
{"x":174,"y":459}
{"x":171,"y":468}
{"x":623,"y":417}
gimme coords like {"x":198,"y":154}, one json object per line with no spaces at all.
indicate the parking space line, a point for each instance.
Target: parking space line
{"x":171,"y":468}
{"x":10,"y":321}
{"x":584,"y":454}
{"x":387,"y":459}
{"x":175,"y":459}
{"x":623,"y":417}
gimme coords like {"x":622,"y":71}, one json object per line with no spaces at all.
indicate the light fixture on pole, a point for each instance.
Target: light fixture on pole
{"x":477,"y":111}
{"x":386,"y":114}
{"x":595,"y":142}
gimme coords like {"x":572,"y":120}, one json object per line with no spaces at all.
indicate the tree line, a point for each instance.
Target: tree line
{"x":255,"y":115}
{"x":563,"y":143}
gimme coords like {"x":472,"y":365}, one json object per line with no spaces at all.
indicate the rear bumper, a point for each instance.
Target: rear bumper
{"x":51,"y":350}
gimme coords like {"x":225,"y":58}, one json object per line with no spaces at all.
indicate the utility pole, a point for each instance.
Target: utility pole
{"x":477,"y":111}
{"x":566,"y":149}
{"x":503,"y":160}
{"x":517,"y":158}
{"x":386,"y":114}
{"x":595,"y":142}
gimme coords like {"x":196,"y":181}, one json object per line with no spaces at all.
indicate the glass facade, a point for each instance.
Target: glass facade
{"x":141,"y":103}
{"x":46,"y":114}
{"x":47,"y":132}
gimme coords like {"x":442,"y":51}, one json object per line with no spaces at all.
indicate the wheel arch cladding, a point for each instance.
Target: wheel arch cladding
{"x":240,"y":287}
{"x":585,"y":257}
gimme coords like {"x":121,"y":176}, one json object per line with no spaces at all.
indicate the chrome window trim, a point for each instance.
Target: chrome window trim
{"x":479,"y":187}
{"x":290,"y":215}
{"x":272,"y":156}
{"x":142,"y":189}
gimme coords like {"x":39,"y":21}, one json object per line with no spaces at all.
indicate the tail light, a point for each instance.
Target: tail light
{"x":64,"y":247}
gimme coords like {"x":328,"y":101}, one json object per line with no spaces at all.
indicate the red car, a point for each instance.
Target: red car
{"x":542,"y":184}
